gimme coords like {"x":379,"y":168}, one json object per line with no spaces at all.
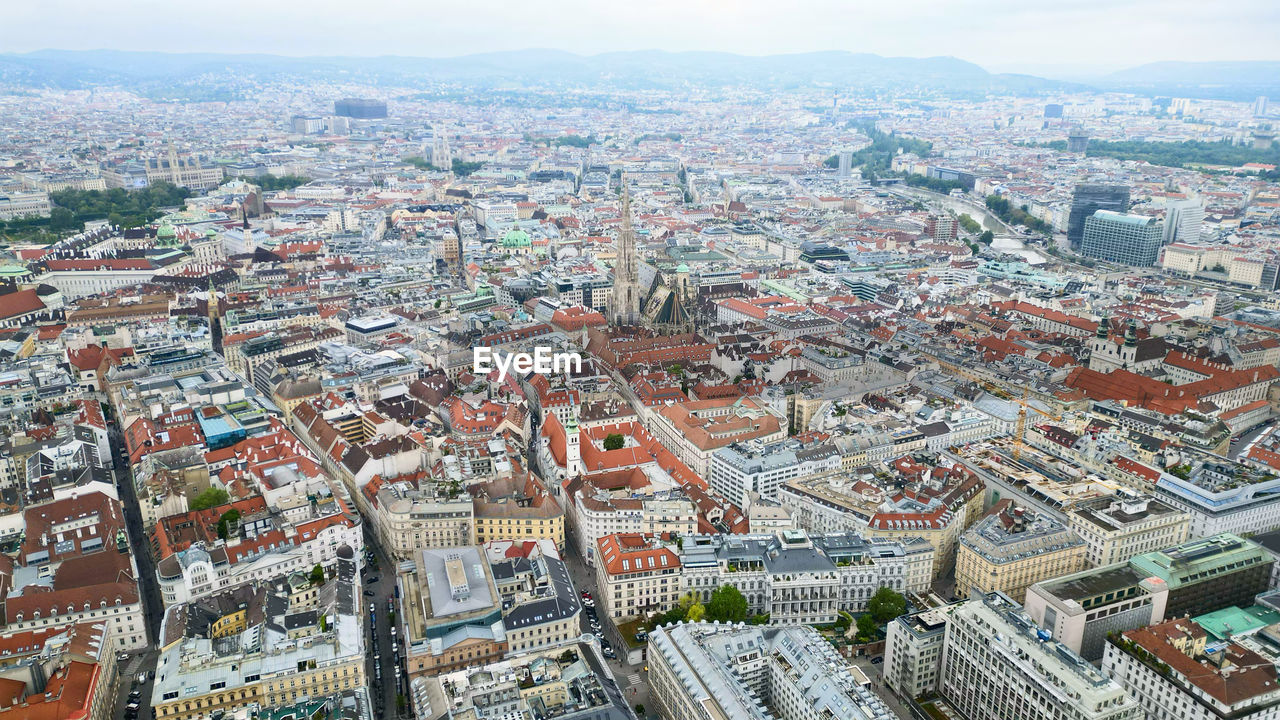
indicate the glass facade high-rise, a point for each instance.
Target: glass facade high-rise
{"x":360,"y":108}
{"x":1088,"y":199}
{"x":1121,"y":238}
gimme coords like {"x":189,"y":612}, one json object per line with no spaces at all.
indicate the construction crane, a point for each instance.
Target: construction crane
{"x":1022,"y":422}
{"x":1002,"y":393}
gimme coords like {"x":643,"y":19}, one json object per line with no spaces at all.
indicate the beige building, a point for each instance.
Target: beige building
{"x":1128,"y":526}
{"x":1010,"y":548}
{"x":511,"y":509}
{"x":409,"y":514}
{"x":541,"y":609}
{"x":636,"y":574}
{"x":237,"y":650}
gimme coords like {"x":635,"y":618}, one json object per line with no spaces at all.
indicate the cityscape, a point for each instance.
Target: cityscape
{"x":719,"y":362}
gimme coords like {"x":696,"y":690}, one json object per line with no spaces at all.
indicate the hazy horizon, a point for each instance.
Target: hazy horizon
{"x":1078,"y":38}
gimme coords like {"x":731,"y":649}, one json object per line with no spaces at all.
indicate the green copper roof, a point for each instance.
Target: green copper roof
{"x":1230,"y":621}
{"x":516,"y":238}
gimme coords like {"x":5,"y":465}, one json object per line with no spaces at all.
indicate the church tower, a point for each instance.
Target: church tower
{"x":441,"y":154}
{"x":572,"y":448}
{"x":625,"y":304}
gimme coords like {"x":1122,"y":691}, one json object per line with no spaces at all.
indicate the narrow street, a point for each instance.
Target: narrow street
{"x":148,"y":585}
{"x":385,"y":669}
{"x":632,"y":679}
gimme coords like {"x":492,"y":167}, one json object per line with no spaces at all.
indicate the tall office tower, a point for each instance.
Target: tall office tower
{"x":1088,"y":199}
{"x":1260,"y":106}
{"x":1122,"y":238}
{"x":846,"y":163}
{"x":1182,"y":221}
{"x":360,"y":108}
{"x":626,"y":300}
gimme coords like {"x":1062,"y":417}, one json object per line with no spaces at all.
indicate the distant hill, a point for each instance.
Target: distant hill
{"x":1220,"y":80}
{"x":650,"y":68}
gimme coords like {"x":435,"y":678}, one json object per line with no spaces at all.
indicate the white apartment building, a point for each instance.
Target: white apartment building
{"x":20,"y":205}
{"x":1176,"y":671}
{"x":1128,"y":526}
{"x":636,"y":575}
{"x":798,"y":579}
{"x":595,"y":513}
{"x":913,"y":651}
{"x":996,"y":666}
{"x":198,"y":571}
{"x":701,"y":670}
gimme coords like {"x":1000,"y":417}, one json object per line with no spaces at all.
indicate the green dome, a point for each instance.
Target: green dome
{"x":682,"y":268}
{"x":211,"y":233}
{"x":516,"y":238}
{"x":166,"y":235}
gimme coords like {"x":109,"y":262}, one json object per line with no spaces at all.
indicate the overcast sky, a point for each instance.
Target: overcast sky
{"x":1001,"y":35}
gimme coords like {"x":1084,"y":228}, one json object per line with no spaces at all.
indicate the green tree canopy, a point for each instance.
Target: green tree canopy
{"x":277,"y":182}
{"x":614,"y":441}
{"x":229,"y":518}
{"x":867,"y":629}
{"x":886,"y":605}
{"x":211,"y":498}
{"x":463,"y":169}
{"x":727,"y":605}
{"x":317,"y":576}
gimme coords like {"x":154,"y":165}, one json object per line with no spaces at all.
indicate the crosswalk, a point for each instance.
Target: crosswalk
{"x":633,"y":679}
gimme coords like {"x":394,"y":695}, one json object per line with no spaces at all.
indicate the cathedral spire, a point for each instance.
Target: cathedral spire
{"x":625,"y":303}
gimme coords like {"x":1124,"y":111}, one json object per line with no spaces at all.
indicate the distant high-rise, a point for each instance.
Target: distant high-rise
{"x":360,"y":108}
{"x":624,"y":304}
{"x":1260,"y":106}
{"x":1122,"y":238}
{"x":1182,"y":221}
{"x":1053,"y":110}
{"x":1077,"y":142}
{"x":846,"y":163}
{"x":1088,"y":199}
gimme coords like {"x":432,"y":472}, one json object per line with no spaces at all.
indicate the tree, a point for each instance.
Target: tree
{"x":419,"y":162}
{"x":614,"y":441}
{"x":639,"y":710}
{"x":277,"y":182}
{"x":211,"y":498}
{"x":317,"y":575}
{"x":462,"y":168}
{"x":843,"y":621}
{"x":886,"y":605}
{"x":969,"y":224}
{"x":867,"y":629}
{"x":986,"y":237}
{"x":727,"y":605}
{"x":225,"y":522}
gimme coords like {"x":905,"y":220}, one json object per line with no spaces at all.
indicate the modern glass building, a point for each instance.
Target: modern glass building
{"x":1090,"y":198}
{"x":1122,"y":238}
